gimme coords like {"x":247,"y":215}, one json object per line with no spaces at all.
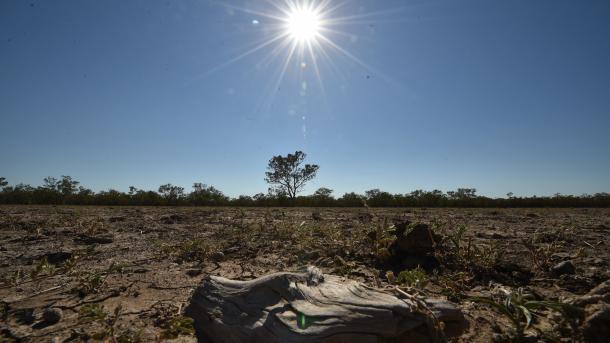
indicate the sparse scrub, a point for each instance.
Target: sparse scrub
{"x":177,"y":326}
{"x":417,"y":278}
{"x":520,"y":308}
{"x":89,"y":282}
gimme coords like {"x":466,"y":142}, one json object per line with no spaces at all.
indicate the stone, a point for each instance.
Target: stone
{"x":416,"y":239}
{"x":58,"y":257}
{"x":52,"y":315}
{"x":193,"y":272}
{"x":562,"y":268}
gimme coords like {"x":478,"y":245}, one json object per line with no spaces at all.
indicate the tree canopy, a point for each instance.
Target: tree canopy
{"x":286,"y":174}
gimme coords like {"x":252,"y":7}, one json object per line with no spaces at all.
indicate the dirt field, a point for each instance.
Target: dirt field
{"x":126,"y":273}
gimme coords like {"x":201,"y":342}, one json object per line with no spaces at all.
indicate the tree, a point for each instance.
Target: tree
{"x":50,"y":183}
{"x":67,"y":186}
{"x":132,"y":190}
{"x":323,"y":192}
{"x":171,"y":192}
{"x":3,"y":182}
{"x":287,"y":174}
{"x":206,"y":195}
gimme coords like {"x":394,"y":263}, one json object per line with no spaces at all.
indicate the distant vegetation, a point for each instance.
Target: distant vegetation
{"x":68,"y":191}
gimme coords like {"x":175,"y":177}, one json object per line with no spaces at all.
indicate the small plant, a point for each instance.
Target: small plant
{"x":382,"y":239}
{"x":192,"y":250}
{"x":457,"y":236}
{"x":413,"y":278}
{"x":541,"y":253}
{"x":95,"y":313}
{"x":519,"y":307}
{"x":195,"y":250}
{"x":89,"y":282}
{"x":91,"y":312}
{"x":43,"y":268}
{"x":177,"y":326}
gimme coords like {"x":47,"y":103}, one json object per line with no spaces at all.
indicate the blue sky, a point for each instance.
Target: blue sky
{"x":502,"y":96}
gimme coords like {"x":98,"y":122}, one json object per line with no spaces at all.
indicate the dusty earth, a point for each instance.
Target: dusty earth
{"x":125,"y":274}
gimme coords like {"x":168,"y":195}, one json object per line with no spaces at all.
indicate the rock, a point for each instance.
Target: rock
{"x":217,"y":256}
{"x":58,"y":257}
{"x":52,"y":315}
{"x":562,"y":268}
{"x":596,"y":327}
{"x":414,"y":239}
{"x":193,"y":272}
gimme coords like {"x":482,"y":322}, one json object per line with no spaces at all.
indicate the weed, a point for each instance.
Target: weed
{"x":519,"y":307}
{"x":413,"y":278}
{"x":195,"y":250}
{"x":43,"y":268}
{"x":91,"y":312}
{"x":89,"y":282}
{"x":177,"y":326}
{"x":192,"y":250}
{"x":95,"y":313}
{"x":382,"y":239}
{"x":541,"y":253}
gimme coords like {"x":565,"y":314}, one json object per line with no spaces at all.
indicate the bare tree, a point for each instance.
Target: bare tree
{"x":287,"y":174}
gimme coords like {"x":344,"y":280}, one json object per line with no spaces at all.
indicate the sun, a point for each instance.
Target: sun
{"x":303,"y":24}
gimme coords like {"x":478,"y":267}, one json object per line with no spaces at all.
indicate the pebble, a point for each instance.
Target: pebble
{"x":562,"y":268}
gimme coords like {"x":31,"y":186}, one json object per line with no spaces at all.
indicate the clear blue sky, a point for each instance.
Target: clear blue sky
{"x":503,"y":96}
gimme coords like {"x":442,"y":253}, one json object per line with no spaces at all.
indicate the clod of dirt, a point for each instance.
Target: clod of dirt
{"x":413,"y":247}
{"x":194,"y":272}
{"x":52,"y":315}
{"x":171,"y":219}
{"x":597,"y":326}
{"x":58,"y":257}
{"x":418,"y":240}
{"x":562,"y":268}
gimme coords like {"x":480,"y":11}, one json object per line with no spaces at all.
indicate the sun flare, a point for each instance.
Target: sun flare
{"x":303,"y":24}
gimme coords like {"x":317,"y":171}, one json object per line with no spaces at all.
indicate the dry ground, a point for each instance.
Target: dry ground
{"x":125,"y":273}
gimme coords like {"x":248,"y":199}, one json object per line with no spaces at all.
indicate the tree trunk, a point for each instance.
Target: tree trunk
{"x":311,"y":307}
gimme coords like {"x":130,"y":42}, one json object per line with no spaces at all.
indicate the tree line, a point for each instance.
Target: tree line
{"x":67,"y":191}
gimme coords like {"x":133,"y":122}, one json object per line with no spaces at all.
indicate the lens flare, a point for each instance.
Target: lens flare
{"x":303,"y":24}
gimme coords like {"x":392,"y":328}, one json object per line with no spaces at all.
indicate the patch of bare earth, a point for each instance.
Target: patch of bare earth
{"x":126,"y":273}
